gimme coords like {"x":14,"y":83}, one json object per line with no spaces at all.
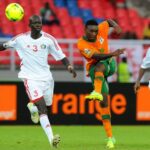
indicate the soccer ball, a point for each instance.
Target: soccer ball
{"x":14,"y":12}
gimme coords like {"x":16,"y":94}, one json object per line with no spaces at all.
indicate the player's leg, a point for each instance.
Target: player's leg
{"x":35,"y":92}
{"x":31,"y":90}
{"x":44,"y":120}
{"x":105,"y":108}
{"x":34,"y":112}
{"x":48,"y":96}
{"x":112,"y":67}
{"x":106,"y":120}
{"x":97,"y":77}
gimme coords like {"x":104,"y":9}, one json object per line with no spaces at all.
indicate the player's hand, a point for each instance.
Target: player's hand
{"x":71,"y":70}
{"x":136,"y":86}
{"x":8,"y":44}
{"x":118,"y":52}
{"x":117,"y":29}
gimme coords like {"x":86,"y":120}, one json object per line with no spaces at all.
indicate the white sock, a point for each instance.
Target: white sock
{"x":46,"y":126}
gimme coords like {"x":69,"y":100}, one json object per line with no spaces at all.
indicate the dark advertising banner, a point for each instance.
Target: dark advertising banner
{"x":70,"y":107}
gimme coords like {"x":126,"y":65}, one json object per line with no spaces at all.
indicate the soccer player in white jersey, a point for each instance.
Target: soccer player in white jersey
{"x":144,"y":66}
{"x":33,"y":48}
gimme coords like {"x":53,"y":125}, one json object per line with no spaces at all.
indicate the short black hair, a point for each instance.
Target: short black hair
{"x":91,"y":22}
{"x":34,"y":17}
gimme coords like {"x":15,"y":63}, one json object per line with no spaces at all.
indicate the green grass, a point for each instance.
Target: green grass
{"x":74,"y":138}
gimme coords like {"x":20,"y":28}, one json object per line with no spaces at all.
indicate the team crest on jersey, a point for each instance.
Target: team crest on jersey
{"x":43,"y":46}
{"x":87,"y":51}
{"x":101,"y":40}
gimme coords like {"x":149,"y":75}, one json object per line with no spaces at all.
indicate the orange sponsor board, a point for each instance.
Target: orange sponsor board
{"x":143,"y":104}
{"x":73,"y":104}
{"x":8,"y":102}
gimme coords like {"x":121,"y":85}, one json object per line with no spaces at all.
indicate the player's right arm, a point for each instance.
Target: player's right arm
{"x":2,"y":47}
{"x":8,"y":44}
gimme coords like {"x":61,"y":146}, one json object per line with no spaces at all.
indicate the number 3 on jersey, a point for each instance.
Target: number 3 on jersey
{"x":35,"y":48}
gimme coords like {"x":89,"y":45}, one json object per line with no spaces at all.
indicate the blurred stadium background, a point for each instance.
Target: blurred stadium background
{"x":69,"y":107}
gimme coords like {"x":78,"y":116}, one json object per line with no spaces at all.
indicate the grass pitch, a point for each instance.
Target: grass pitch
{"x":74,"y":138}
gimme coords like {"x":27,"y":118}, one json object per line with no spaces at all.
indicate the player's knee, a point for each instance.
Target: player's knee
{"x":41,"y":105}
{"x":43,"y":110}
{"x":100,"y":67}
{"x":104,"y":103}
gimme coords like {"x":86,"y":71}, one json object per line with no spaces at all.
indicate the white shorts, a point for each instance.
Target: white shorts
{"x":39,"y":89}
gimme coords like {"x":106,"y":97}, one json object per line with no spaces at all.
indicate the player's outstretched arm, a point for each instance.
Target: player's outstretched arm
{"x":106,"y":56}
{"x":6,"y":45}
{"x":70,"y":68}
{"x":137,"y":83}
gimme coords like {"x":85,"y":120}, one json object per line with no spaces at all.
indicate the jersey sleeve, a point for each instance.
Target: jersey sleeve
{"x":12,"y":44}
{"x":55,"y":50}
{"x":86,"y":52}
{"x":103,"y":28}
{"x":146,"y":61}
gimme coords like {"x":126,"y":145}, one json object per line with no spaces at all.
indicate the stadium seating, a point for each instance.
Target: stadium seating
{"x":4,"y":57}
{"x":72,"y":15}
{"x":67,"y":10}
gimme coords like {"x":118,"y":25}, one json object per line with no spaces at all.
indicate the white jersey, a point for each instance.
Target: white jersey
{"x":34,"y":55}
{"x":146,"y":60}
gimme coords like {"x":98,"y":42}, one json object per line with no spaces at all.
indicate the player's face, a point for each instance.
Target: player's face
{"x":36,"y":24}
{"x":91,"y":32}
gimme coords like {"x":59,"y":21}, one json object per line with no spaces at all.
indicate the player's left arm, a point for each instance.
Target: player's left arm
{"x":58,"y":54}
{"x":114,"y":25}
{"x":70,"y":68}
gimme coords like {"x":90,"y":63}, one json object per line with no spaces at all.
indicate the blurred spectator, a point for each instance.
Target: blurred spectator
{"x":123,"y":71}
{"x":146,"y":33}
{"x":118,"y":3}
{"x":48,"y":15}
{"x":113,"y":2}
{"x":133,"y":35}
{"x":121,"y":3}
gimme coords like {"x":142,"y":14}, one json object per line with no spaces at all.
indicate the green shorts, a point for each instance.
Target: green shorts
{"x":110,"y":69}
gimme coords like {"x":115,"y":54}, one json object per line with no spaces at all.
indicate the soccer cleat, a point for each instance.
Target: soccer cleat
{"x":111,"y":143}
{"x":34,"y":114}
{"x":94,"y":96}
{"x":56,"y":141}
